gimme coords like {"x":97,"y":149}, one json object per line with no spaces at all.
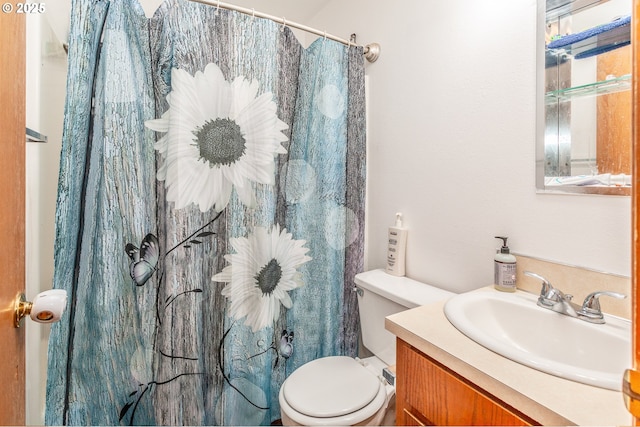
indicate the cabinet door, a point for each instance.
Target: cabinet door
{"x":410,"y":419}
{"x":430,"y":394}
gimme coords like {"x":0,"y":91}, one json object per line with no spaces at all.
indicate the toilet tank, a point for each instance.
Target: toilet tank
{"x":382,"y":295}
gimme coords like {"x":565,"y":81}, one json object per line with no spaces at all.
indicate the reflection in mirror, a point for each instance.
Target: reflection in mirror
{"x":584,"y":133}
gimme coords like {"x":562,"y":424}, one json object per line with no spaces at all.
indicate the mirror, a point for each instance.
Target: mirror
{"x":584,"y":97}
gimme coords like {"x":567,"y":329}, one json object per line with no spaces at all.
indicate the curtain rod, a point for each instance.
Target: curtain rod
{"x":371,"y":51}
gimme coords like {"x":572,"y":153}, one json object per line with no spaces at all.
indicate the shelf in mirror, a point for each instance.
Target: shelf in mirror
{"x":612,"y":85}
{"x":557,"y":8}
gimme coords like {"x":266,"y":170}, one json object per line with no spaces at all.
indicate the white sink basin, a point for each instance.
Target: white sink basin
{"x":512,"y":325}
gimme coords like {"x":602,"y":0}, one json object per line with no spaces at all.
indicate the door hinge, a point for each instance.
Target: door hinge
{"x":631,"y":391}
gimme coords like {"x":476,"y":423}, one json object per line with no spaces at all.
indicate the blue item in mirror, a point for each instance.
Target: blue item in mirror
{"x":596,"y":40}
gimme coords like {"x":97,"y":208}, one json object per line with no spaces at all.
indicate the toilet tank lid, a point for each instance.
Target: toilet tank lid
{"x":402,"y":290}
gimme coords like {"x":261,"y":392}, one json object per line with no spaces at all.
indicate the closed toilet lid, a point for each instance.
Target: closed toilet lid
{"x":330,"y":387}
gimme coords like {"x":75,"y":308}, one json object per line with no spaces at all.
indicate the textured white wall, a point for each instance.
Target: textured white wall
{"x":46,"y":84}
{"x":451,"y":143}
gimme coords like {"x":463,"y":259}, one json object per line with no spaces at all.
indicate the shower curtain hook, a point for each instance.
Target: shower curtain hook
{"x":325,"y":36}
{"x":253,"y":13}
{"x":217,"y":8}
{"x":284,"y":23}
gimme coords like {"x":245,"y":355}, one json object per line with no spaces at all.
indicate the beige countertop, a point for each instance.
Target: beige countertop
{"x":548,"y":399}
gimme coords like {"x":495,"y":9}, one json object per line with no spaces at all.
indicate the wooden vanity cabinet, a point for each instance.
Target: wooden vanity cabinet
{"x":428,"y":393}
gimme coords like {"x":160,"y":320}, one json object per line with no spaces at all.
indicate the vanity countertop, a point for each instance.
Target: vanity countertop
{"x":546,"y":398}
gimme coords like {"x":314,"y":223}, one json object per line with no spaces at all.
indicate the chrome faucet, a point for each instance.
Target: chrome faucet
{"x":590,"y":310}
{"x":555,"y":300}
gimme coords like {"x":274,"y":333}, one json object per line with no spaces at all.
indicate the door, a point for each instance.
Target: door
{"x":12,"y":213}
{"x":632,"y":377}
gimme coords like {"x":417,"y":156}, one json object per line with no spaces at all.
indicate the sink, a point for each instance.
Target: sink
{"x":512,"y":325}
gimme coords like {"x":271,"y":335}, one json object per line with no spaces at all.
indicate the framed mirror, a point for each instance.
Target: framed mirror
{"x":584,"y":97}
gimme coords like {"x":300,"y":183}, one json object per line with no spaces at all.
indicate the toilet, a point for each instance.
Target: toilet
{"x":340,"y":390}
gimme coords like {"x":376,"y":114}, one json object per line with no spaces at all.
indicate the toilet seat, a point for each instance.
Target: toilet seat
{"x":335,"y":390}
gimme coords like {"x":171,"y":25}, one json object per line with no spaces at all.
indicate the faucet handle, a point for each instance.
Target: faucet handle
{"x":591,"y":304}
{"x":547,"y":288}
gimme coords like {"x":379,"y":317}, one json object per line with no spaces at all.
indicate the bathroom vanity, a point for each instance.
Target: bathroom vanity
{"x":445,"y":378}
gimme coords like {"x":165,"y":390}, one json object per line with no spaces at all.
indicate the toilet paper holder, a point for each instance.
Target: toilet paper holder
{"x":47,"y":307}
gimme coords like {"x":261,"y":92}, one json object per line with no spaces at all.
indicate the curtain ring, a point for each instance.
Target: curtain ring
{"x":217,"y":8}
{"x":253,"y":13}
{"x":325,"y":35}
{"x":284,"y":23}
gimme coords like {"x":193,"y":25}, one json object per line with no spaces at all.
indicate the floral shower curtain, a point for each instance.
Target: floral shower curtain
{"x":210,"y":214}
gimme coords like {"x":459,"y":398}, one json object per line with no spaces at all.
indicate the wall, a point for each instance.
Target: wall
{"x":46,"y":85}
{"x":451,"y":143}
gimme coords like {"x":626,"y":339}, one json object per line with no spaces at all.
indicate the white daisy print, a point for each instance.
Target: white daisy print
{"x":260,"y":274}
{"x":219,"y":135}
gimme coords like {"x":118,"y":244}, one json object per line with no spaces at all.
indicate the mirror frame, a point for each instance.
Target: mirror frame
{"x":541,"y":188}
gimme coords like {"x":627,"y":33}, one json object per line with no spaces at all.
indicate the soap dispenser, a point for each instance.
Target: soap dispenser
{"x":504,"y":268}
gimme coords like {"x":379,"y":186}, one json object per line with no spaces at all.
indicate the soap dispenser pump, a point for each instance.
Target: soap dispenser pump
{"x":504,"y":268}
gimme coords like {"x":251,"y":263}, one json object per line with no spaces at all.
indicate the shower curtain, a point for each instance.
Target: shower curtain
{"x":210,"y":214}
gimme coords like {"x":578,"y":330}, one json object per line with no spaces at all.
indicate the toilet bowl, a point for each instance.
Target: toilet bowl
{"x":340,"y":390}
{"x":337,"y":390}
